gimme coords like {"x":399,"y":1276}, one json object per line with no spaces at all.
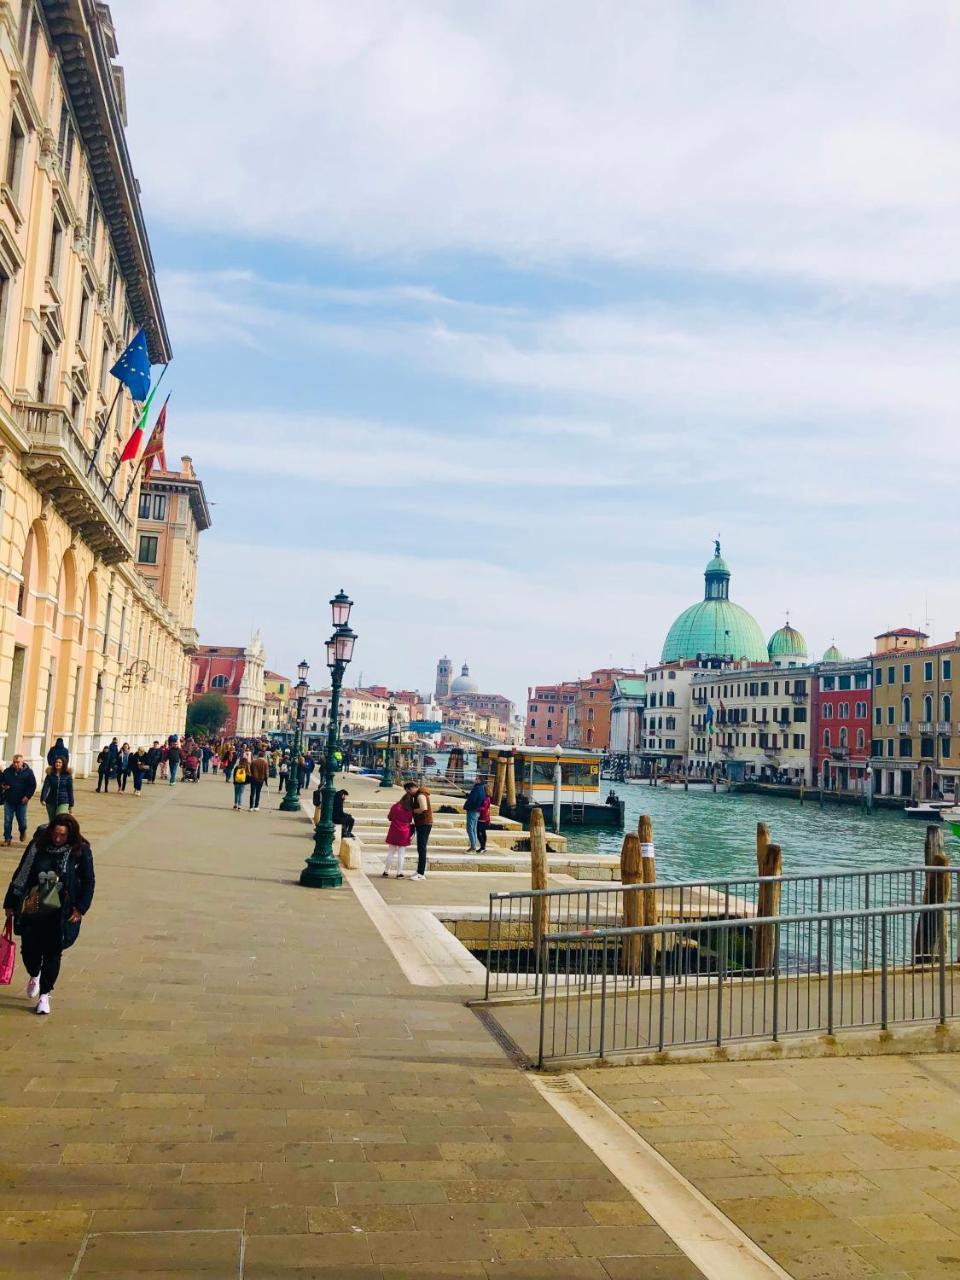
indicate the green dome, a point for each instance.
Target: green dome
{"x":715,"y":627}
{"x":833,"y":654}
{"x":787,"y":643}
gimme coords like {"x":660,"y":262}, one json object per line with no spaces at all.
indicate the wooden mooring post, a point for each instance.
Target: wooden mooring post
{"x":631,"y":872}
{"x":930,"y":933}
{"x":499,"y":781}
{"x":648,"y":873}
{"x":538,"y":875}
{"x":511,"y":780}
{"x":768,"y":899}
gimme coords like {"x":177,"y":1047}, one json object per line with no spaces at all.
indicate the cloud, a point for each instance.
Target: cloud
{"x":768,"y":139}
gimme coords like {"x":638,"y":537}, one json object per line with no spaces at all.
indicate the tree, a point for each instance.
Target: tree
{"x":209,"y":712}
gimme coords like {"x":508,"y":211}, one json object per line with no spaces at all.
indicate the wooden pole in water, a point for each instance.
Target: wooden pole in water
{"x":768,"y":904}
{"x":936,"y":889}
{"x":631,"y":872}
{"x":763,"y":841}
{"x":500,"y":780}
{"x":648,"y":871}
{"x":538,"y":874}
{"x":512,"y":784}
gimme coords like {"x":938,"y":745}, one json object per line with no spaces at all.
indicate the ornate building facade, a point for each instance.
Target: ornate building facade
{"x":88,"y":649}
{"x":236,"y":672}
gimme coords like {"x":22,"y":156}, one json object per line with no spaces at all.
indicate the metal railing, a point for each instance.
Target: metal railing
{"x":709,"y":983}
{"x":515,"y":918}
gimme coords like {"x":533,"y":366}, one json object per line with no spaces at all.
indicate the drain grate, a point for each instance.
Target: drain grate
{"x":504,"y":1040}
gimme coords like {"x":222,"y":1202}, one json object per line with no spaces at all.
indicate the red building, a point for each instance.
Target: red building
{"x":548,"y":711}
{"x":237,"y":674}
{"x":842,"y":714}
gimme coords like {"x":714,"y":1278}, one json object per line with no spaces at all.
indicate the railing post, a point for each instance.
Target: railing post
{"x":603,"y":999}
{"x":543,"y":1008}
{"x":721,"y":959}
{"x":486,"y":989}
{"x":663,"y":989}
{"x":883,"y":973}
{"x":830,"y":976}
{"x":776,"y":980}
{"x":943,"y":966}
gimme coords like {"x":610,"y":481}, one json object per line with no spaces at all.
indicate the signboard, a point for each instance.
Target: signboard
{"x":424,"y":726}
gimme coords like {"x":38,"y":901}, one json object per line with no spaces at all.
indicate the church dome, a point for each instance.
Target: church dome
{"x":715,"y":627}
{"x":464,"y":683}
{"x":787,"y":643}
{"x":833,"y":654}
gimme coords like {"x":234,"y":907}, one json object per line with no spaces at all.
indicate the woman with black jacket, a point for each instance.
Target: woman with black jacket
{"x":57,"y":790}
{"x":50,"y":893}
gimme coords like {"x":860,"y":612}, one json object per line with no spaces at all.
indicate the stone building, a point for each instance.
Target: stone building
{"x":842,"y":715}
{"x":172,"y":513}
{"x":87,"y":648}
{"x":236,"y":672}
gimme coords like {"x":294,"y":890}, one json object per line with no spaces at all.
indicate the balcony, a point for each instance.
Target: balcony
{"x":926,"y":726}
{"x":943,"y":728}
{"x":839,"y":753}
{"x":190,"y":639}
{"x":57,"y":464}
{"x":905,"y":729}
{"x":798,"y":699}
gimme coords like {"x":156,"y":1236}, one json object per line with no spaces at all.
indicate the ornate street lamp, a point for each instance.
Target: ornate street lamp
{"x":322,"y":870}
{"x":387,"y":779}
{"x":291,"y":801}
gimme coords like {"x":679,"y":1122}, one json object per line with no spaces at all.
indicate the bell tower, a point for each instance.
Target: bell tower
{"x":444,"y":678}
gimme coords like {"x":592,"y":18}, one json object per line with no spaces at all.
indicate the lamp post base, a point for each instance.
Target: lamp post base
{"x":387,"y":780}
{"x":322,"y":870}
{"x":290,"y":804}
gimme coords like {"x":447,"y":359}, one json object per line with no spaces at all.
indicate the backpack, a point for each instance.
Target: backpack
{"x":240,"y":773}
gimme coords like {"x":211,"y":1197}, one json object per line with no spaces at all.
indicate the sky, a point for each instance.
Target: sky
{"x":497,"y":315}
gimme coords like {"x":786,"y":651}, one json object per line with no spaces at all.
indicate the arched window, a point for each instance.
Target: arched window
{"x":670,"y":699}
{"x":905,"y":708}
{"x":218,"y":682}
{"x":826,"y":737}
{"x":946,"y":708}
{"x":843,"y":736}
{"x":860,"y":740}
{"x":927,"y":707}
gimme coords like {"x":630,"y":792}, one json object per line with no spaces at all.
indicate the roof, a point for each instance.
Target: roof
{"x":902,"y":631}
{"x":220,"y":651}
{"x":275,"y":675}
{"x":631,"y":687}
{"x":787,"y":642}
{"x":715,"y":626}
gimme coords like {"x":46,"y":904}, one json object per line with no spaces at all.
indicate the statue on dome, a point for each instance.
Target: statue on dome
{"x":716,"y":548}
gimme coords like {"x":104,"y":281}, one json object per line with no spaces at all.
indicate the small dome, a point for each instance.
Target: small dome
{"x":464,"y":683}
{"x":787,"y":643}
{"x":833,"y":654}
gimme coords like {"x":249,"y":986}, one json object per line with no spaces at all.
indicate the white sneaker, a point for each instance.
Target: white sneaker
{"x":33,"y":988}
{"x":418,"y":877}
{"x":43,"y":1004}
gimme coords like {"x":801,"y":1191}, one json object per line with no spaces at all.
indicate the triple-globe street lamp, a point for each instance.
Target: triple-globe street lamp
{"x":322,"y":870}
{"x":291,"y":801}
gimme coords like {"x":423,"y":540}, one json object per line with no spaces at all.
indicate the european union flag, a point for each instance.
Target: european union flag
{"x":133,"y":368}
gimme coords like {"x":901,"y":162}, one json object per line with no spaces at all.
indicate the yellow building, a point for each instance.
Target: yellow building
{"x":88,"y":649}
{"x":915,"y":740}
{"x":280,"y":708}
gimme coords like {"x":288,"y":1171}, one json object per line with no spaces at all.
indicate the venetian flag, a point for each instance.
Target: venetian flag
{"x":154,"y":453}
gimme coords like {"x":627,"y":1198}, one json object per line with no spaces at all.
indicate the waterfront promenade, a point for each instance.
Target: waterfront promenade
{"x":238,"y":1080}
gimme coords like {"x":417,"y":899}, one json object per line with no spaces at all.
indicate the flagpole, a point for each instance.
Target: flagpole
{"x":146,"y":410}
{"x":133,"y":480}
{"x":103,"y":430}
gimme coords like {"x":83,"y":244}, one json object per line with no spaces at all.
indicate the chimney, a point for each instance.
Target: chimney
{"x":186,"y":468}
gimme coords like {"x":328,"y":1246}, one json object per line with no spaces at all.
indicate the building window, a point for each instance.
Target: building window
{"x":14,"y":170}
{"x":889,"y":746}
{"x":843,"y":736}
{"x":147,"y":552}
{"x":828,"y":711}
{"x":926,"y":748}
{"x":86,"y":301}
{"x":947,"y":668}
{"x":799,"y":741}
{"x":56,"y":248}
{"x":104,"y":369}
{"x":861,"y":680}
{"x":906,"y":747}
{"x":877,"y":715}
{"x":946,"y":708}
{"x":890,"y":715}
{"x":927,"y":707}
{"x":45,"y":374}
{"x":826,"y":737}
{"x":144,"y":510}
{"x":159,"y":506}
{"x":928,"y":671}
{"x":878,"y":676}
{"x":843,"y":682}
{"x":891,"y":675}
{"x":860,"y":739}
{"x":906,"y":673}
{"x":829,"y":683}
{"x":905,"y":709}
{"x":218,"y":682}
{"x":800,"y":715}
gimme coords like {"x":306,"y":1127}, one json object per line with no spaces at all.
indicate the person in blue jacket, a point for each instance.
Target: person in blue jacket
{"x":472,"y":806}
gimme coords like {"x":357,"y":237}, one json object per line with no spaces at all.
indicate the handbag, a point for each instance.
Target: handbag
{"x":8,"y":953}
{"x":44,"y":898}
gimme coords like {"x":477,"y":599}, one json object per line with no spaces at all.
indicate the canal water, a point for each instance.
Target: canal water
{"x":700,"y":834}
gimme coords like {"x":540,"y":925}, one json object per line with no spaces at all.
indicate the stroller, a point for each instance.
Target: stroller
{"x":191,"y":769}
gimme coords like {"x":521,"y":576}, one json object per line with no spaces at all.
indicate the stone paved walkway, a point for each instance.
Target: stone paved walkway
{"x":237,"y":1081}
{"x":838,"y":1168}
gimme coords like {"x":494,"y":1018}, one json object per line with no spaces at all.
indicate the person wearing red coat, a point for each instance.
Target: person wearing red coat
{"x":399,"y":834}
{"x":483,"y":822}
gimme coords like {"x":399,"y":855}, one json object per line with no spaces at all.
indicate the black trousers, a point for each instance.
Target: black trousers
{"x":423,"y":836}
{"x":482,"y":829}
{"x":346,"y":825}
{"x":103,"y":779}
{"x":122,"y":779}
{"x":41,"y":946}
{"x":255,"y":789}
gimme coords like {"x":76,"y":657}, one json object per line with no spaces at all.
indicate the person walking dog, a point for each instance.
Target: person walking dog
{"x":48,"y":896}
{"x":57,"y":790}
